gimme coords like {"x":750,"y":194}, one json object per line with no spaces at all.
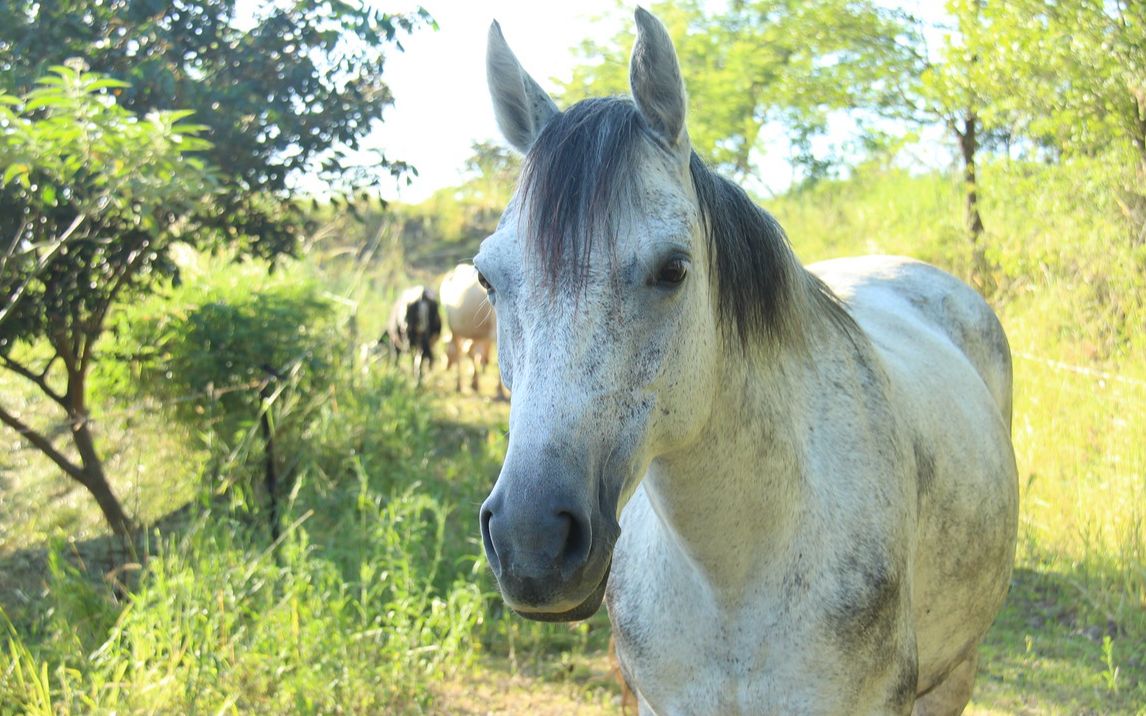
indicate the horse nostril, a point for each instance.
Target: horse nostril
{"x":533,"y":545}
{"x":487,"y":538}
{"x":578,"y":540}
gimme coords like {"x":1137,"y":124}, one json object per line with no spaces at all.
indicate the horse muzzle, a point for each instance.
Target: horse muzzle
{"x":551,"y":554}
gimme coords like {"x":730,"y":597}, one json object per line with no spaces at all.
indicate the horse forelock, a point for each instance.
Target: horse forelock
{"x":582,"y":173}
{"x":579,"y":174}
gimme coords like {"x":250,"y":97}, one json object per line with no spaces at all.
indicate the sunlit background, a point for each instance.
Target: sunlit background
{"x":224,"y":485}
{"x":442,"y":106}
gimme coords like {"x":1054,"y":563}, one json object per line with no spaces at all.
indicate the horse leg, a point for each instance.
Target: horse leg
{"x":950,"y":696}
{"x":628,"y":696}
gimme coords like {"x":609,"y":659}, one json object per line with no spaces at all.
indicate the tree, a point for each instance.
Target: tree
{"x":294,"y":87}
{"x":955,"y":91}
{"x":493,"y":172}
{"x":1074,"y":76}
{"x":760,"y":61}
{"x":958,"y":88}
{"x":227,"y":356}
{"x":91,"y":197}
{"x":290,"y":88}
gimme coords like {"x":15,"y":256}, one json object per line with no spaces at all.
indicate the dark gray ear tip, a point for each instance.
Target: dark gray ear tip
{"x":646,"y":21}
{"x":495,"y":31}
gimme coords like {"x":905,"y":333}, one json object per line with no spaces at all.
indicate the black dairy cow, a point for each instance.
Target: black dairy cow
{"x":414,"y":326}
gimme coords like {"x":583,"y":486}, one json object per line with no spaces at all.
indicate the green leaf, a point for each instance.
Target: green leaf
{"x":16,"y":170}
{"x":106,"y":83}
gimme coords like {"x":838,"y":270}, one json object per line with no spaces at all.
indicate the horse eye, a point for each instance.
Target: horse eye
{"x":672,"y":273}
{"x":484,"y":282}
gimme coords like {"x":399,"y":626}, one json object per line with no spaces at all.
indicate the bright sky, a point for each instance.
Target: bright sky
{"x":442,"y":105}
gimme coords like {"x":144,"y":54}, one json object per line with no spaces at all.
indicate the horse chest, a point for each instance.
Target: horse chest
{"x":711,"y":660}
{"x":777,"y":647}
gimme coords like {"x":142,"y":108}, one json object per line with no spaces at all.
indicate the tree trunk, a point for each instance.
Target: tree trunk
{"x":973,"y":222}
{"x":969,"y":146}
{"x":89,"y":473}
{"x":1136,"y":199}
{"x":92,"y":475}
{"x":93,"y":478}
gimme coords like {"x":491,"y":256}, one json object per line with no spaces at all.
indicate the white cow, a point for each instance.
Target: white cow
{"x":471,"y":321}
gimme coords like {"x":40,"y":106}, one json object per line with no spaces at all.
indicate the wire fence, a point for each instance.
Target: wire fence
{"x":1082,"y":370}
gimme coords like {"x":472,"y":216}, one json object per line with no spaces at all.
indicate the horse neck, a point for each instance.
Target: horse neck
{"x":735,"y":496}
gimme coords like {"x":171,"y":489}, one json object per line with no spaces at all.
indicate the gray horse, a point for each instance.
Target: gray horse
{"x":795,"y":485}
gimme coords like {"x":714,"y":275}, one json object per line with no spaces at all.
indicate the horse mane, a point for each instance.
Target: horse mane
{"x":580,"y":173}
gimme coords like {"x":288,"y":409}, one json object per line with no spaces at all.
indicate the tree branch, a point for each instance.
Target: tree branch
{"x":44,"y":445}
{"x":11,"y":250}
{"x":41,"y":263}
{"x":95,"y":327}
{"x":39,"y":380}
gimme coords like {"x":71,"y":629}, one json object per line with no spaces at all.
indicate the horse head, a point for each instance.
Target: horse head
{"x":599,"y":273}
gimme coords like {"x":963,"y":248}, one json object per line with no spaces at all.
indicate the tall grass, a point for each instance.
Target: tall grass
{"x":377,"y":589}
{"x":362,"y":601}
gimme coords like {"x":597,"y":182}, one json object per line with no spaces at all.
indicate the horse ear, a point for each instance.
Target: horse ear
{"x":522,"y":108}
{"x":654,"y":77}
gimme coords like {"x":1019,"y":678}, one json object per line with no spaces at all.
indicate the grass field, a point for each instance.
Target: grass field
{"x":376,"y":599}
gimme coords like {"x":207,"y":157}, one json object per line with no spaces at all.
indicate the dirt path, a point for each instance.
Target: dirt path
{"x":492,"y":689}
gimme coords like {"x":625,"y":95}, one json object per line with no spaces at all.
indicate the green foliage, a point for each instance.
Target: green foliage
{"x":204,"y":349}
{"x":959,"y":82}
{"x":91,"y":195}
{"x":1074,"y":74}
{"x":749,"y":63}
{"x":237,"y":360}
{"x":370,"y":595}
{"x":1069,"y":79}
{"x":91,"y":201}
{"x":226,"y":623}
{"x":281,"y":88}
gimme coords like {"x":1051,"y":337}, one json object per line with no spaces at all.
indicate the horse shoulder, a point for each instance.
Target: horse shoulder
{"x":881,"y":287}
